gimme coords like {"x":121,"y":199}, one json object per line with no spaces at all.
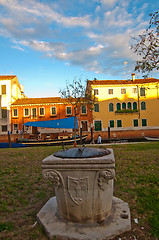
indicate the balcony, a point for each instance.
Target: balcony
{"x":127,"y":111}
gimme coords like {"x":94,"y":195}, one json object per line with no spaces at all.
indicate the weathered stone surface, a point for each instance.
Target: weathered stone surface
{"x":83,"y":186}
{"x":57,"y":228}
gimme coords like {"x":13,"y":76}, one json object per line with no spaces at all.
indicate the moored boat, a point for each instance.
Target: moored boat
{"x":50,"y":142}
{"x":152,"y":138}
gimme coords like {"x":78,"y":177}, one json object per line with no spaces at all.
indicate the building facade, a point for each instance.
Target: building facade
{"x":128,"y":107}
{"x":10,"y":91}
{"x":43,"y":109}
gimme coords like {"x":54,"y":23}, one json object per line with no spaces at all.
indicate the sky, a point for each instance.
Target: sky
{"x":47,"y":43}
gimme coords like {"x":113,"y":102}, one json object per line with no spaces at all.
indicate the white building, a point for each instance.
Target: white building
{"x":10,"y":91}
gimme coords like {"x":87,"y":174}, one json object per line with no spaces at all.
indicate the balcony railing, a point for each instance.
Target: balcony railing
{"x":127,"y":111}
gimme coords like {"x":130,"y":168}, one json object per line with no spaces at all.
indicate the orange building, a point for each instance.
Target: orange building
{"x":42,"y":109}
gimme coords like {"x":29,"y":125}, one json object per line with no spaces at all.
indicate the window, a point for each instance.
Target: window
{"x":41,"y":111}
{"x":34,"y":112}
{"x":134,"y":105}
{"x":123,"y":105}
{"x":142,"y":92}
{"x":96,"y":107}
{"x":96,"y":92}
{"x":118,"y":106}
{"x":129,"y":105}
{"x":134,"y":90}
{"x":4,"y":128}
{"x":144,"y":122}
{"x":110,"y":91}
{"x":123,"y":90}
{"x":97,"y":126}
{"x":135,"y":122}
{"x":15,"y":126}
{"x":15,"y":112}
{"x":4,"y":112}
{"x":26,"y":112}
{"x":84,"y":126}
{"x":143,"y":106}
{"x":53,"y":110}
{"x":119,"y":123}
{"x":111,"y":123}
{"x":111,"y":107}
{"x":3,"y":89}
{"x":68,"y":110}
{"x":83,"y":110}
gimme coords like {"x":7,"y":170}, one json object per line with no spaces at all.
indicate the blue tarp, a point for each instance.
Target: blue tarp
{"x":13,"y":145}
{"x":59,"y":123}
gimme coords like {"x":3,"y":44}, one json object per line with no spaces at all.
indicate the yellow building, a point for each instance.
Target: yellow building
{"x":129,"y":107}
{"x":10,"y":90}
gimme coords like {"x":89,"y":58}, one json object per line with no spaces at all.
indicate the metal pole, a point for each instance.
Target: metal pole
{"x":92,"y":140}
{"x":9,"y":139}
{"x":81,"y":135}
{"x":75,"y":143}
{"x":108,"y":134}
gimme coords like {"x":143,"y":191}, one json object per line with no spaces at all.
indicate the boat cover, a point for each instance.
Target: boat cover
{"x":59,"y":123}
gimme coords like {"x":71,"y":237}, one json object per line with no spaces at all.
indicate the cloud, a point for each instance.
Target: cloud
{"x":36,"y":10}
{"x":93,"y":35}
{"x":109,"y":3}
{"x":18,"y":47}
{"x":49,"y":48}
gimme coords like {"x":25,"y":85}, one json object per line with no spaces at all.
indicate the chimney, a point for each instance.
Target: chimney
{"x":133,"y":76}
{"x":22,"y":88}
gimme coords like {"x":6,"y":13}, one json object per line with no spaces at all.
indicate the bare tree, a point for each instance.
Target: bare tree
{"x":147,"y":46}
{"x":75,"y":93}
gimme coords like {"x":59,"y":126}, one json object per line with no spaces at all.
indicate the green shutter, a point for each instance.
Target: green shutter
{"x":111,"y":123}
{"x":111,"y":107}
{"x":134,"y":105}
{"x":129,"y":105}
{"x":97,"y":125}
{"x":143,"y":106}
{"x":96,"y":107}
{"x":123,"y":105}
{"x":119,"y":123}
{"x":118,"y":106}
{"x":135,"y":122}
{"x":144,"y":122}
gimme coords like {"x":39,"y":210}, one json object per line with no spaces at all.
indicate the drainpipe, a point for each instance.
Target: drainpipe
{"x":138,"y":98}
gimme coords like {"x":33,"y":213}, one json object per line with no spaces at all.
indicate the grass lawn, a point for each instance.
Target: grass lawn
{"x":23,"y":190}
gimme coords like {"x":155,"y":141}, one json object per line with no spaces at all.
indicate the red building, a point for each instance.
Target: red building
{"x":42,"y":109}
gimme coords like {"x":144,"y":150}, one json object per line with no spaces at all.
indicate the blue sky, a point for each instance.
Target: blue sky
{"x":46,"y":42}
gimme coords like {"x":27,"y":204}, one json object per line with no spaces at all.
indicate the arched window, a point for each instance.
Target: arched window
{"x":118,"y":106}
{"x":134,"y":105}
{"x":111,"y":107}
{"x":143,"y":106}
{"x":129,"y":105}
{"x":96,"y":107}
{"x":123,"y":105}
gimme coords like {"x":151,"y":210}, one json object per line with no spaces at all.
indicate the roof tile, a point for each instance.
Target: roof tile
{"x":116,"y":82}
{"x":25,"y":101}
{"x":7,"y":77}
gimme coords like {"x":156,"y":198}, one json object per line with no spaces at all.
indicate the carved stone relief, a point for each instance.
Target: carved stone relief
{"x":78,"y":189}
{"x":53,"y":176}
{"x":104,"y":177}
